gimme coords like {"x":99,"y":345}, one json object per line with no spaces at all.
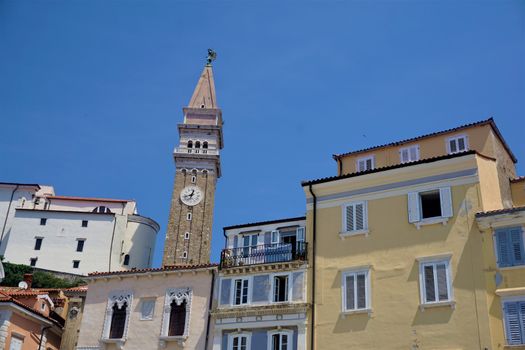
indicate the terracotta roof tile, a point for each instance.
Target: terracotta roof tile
{"x":518,"y":179}
{"x":90,"y":199}
{"x":156,"y":269}
{"x":500,"y":211}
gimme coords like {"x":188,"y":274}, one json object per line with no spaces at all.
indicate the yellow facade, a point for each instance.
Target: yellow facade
{"x":395,"y":253}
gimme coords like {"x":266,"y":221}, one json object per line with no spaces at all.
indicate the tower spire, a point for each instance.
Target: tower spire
{"x":204,"y":93}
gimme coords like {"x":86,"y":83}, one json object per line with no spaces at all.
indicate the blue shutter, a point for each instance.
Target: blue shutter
{"x":502,"y":243}
{"x":512,"y":322}
{"x":522,"y":320}
{"x":516,"y":239}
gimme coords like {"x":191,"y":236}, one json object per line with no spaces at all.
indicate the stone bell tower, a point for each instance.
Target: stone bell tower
{"x":198,"y":167}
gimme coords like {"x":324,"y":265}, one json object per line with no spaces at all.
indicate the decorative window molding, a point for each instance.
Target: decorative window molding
{"x":239,"y":341}
{"x":409,"y":154}
{"x":457,"y":144}
{"x":365,"y":163}
{"x":281,"y":339}
{"x":435,"y":283}
{"x":179,"y":296}
{"x":118,"y":298}
{"x":356,"y":291}
{"x":354,"y":219}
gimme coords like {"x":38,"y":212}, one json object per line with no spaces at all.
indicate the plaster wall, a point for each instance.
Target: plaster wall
{"x":518,"y":193}
{"x":30,"y":330}
{"x":83,"y":205}
{"x":145,"y":334}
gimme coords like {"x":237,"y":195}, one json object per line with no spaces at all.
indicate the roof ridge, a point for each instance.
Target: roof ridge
{"x":153,"y":269}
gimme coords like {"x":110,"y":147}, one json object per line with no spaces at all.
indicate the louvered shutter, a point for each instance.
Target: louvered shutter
{"x":300,"y":234}
{"x":516,"y":239}
{"x":503,"y":245}
{"x":445,"y":197}
{"x":361,"y":291}
{"x":359,"y":216}
{"x":349,"y":214}
{"x":267,"y":237}
{"x":350,"y":300}
{"x":512,"y":321}
{"x":442,"y":285}
{"x":413,"y":207}
{"x":430,"y":292}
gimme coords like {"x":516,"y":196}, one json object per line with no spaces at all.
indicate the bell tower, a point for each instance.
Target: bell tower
{"x":197,"y":168}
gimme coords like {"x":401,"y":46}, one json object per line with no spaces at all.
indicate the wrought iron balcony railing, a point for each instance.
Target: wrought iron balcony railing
{"x":263,"y":254}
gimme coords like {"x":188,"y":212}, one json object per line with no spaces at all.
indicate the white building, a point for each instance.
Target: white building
{"x":73,"y":234}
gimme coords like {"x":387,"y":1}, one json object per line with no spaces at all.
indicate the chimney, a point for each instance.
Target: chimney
{"x":28,"y":278}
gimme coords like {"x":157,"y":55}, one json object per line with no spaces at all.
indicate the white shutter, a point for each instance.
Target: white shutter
{"x":446,"y":202}
{"x":275,"y":236}
{"x":300,"y":234}
{"x":413,"y":207}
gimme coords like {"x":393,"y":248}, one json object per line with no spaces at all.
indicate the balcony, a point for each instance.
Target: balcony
{"x":204,"y":151}
{"x":263,"y":254}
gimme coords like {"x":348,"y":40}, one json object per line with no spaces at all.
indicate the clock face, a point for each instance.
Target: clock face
{"x":191,"y":195}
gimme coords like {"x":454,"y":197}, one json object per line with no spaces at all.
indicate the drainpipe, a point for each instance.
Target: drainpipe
{"x":209,"y":310}
{"x":42,"y":336}
{"x":7,"y":214}
{"x":314,"y":230}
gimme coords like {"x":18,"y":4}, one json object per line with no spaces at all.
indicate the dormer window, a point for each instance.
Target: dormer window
{"x":365,"y":163}
{"x":457,"y":144}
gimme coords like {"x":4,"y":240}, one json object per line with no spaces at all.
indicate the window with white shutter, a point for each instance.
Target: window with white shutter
{"x":240,"y":291}
{"x":239,"y":341}
{"x":355,"y":290}
{"x":409,"y":154}
{"x":457,"y":144}
{"x":425,"y":206}
{"x":355,"y":217}
{"x":365,"y":163}
{"x":514,"y":312}
{"x":509,"y":246}
{"x":435,"y":282}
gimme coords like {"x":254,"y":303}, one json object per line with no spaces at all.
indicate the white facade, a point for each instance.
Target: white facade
{"x":73,"y":234}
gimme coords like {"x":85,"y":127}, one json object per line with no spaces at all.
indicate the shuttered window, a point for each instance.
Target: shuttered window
{"x":509,"y":247}
{"x":355,"y":217}
{"x":457,"y":144}
{"x":355,"y":290}
{"x":365,"y":163}
{"x":514,"y":322}
{"x":239,"y":342}
{"x":409,"y":154}
{"x":435,"y":282}
{"x":430,"y":204}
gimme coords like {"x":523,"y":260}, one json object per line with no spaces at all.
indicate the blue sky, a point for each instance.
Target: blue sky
{"x":91,"y":91}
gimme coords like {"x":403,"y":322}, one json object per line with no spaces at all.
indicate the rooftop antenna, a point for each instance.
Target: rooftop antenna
{"x":212,"y":56}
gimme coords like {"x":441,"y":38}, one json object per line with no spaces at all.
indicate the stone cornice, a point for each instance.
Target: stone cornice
{"x":272,"y":309}
{"x":277,"y":267}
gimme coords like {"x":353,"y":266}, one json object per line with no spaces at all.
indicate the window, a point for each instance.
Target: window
{"x":126,"y":260}
{"x":118,"y":321}
{"x":280,"y":340}
{"x":43,"y":306}
{"x":205,"y":144}
{"x":32,"y":261}
{"x":188,"y":216}
{"x":38,"y":243}
{"x":16,"y":342}
{"x":193,"y":179}
{"x":457,"y":144}
{"x":80,"y":245}
{"x":280,"y":288}
{"x":356,"y":290}
{"x":355,"y":217}
{"x":197,"y":144}
{"x":175,"y":317}
{"x":76,"y":264}
{"x":101,"y":209}
{"x":409,"y":154}
{"x":147,"y":308}
{"x":190,"y":144}
{"x":240,"y":295}
{"x":514,"y":312}
{"x":43,"y":222}
{"x":365,"y":163}
{"x":186,"y":235}
{"x":509,"y":247}
{"x":239,"y":341}
{"x":434,"y":279}
{"x":429,"y":204}
{"x":184,"y":255}
{"x":84,"y":223}
{"x":275,"y":237}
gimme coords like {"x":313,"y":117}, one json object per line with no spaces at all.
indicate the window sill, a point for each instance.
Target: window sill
{"x":345,"y":234}
{"x":515,"y":267}
{"x":179,"y":339}
{"x":118,"y":342}
{"x":345,"y":314}
{"x":431,"y":221}
{"x":451,"y":304}
{"x":514,"y":347}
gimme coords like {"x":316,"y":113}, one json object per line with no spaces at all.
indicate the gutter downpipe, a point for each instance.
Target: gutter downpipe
{"x":42,"y":336}
{"x":7,"y":214}
{"x":113,"y":237}
{"x":209,"y":310}
{"x":312,"y":332}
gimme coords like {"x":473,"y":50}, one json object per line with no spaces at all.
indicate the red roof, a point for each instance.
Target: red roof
{"x":5,"y":298}
{"x":156,"y":269}
{"x":500,"y":211}
{"x":90,"y":199}
{"x":518,"y":179}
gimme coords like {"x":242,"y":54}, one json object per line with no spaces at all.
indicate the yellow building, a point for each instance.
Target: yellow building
{"x":398,"y":260}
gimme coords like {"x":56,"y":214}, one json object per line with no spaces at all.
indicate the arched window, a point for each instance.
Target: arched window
{"x":126,"y":260}
{"x":190,"y":144}
{"x":101,"y":209}
{"x":205,"y":144}
{"x":177,"y":318}
{"x":118,"y":321}
{"x":197,"y":144}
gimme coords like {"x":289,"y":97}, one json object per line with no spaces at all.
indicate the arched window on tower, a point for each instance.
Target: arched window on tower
{"x":205,"y":144}
{"x":102,"y":209}
{"x":118,"y":321}
{"x":197,"y":144}
{"x":177,"y":318}
{"x":190,"y":144}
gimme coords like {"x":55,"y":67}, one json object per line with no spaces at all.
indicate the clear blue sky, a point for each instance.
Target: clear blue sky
{"x":91,"y":91}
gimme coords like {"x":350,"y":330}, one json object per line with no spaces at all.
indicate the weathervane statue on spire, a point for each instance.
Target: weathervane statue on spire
{"x":212,"y":56}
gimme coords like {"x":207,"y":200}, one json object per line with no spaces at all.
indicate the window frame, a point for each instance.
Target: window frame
{"x":408,"y":148}
{"x":81,"y":246}
{"x":456,"y":138}
{"x":434,"y":261}
{"x":179,"y":295}
{"x":77,"y":262}
{"x":289,"y":287}
{"x":31,"y":261}
{"x":512,"y":262}
{"x":368,"y":290}
{"x":233,"y":291}
{"x":503,"y":301}
{"x":415,"y":210}
{"x":43,"y":221}
{"x":365,"y":159}
{"x":286,"y":332}
{"x":119,"y":298}
{"x":84,"y":223}
{"x":144,"y":300}
{"x":38,"y":246}
{"x":344,"y":229}
{"x":248,"y":336}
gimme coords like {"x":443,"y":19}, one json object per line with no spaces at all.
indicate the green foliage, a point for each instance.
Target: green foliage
{"x":14,"y":273}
